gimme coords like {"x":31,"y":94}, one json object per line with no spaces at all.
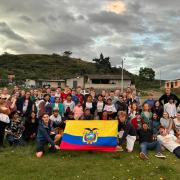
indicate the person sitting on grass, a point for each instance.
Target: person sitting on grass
{"x":147,"y":142}
{"x":43,"y":136}
{"x":126,"y":132}
{"x":15,"y":131}
{"x":169,"y":141}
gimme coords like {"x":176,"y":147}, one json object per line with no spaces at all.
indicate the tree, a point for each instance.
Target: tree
{"x":146,"y":73}
{"x":103,"y":62}
{"x":67,"y":53}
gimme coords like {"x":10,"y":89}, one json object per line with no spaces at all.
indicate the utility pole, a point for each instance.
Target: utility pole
{"x":160,"y":77}
{"x":122,"y":76}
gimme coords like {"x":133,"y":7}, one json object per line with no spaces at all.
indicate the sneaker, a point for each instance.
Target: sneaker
{"x":159,"y":155}
{"x":143,"y":156}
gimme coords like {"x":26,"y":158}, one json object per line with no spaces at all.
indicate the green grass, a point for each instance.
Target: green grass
{"x":21,"y":163}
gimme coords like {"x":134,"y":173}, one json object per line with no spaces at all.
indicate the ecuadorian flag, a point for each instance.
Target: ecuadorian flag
{"x":98,"y":135}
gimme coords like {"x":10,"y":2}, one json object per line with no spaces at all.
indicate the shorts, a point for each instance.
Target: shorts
{"x":40,"y":146}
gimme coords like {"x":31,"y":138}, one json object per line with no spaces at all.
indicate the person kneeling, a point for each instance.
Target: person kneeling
{"x":43,"y":135}
{"x":147,"y":142}
{"x":126,"y":132}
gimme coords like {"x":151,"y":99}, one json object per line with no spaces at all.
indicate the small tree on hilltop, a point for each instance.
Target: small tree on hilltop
{"x":146,"y":73}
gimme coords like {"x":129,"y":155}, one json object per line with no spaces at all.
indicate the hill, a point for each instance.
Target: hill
{"x":35,"y":66}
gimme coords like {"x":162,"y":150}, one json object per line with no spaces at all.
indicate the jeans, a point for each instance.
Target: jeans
{"x":14,"y":141}
{"x":153,"y":145}
{"x":177,"y":152}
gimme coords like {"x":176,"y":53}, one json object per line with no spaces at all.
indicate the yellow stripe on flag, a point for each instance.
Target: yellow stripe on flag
{"x":104,"y":128}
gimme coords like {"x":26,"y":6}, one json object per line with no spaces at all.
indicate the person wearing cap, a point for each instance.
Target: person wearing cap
{"x":170,"y":107}
{"x":57,"y":119}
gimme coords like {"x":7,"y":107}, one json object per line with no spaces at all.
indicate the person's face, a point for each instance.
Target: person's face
{"x":105,"y":114}
{"x":35,"y":92}
{"x":109,"y":102}
{"x":103,"y":92}
{"x":47,"y":98}
{"x":66,"y":89}
{"x":69,"y":98}
{"x":73,"y":92}
{"x":145,"y":126}
{"x":150,"y":96}
{"x":157,"y":104}
{"x":134,"y":107}
{"x":155,"y":116}
{"x":117,"y":92}
{"x":28,"y":94}
{"x":89,"y":99}
{"x":178,"y":116}
{"x":165,"y":115}
{"x":111,"y":94}
{"x":48,"y":90}
{"x":122,"y":118}
{"x":33,"y":115}
{"x":121,"y":99}
{"x":23,"y":93}
{"x":5,"y":91}
{"x":168,"y":91}
{"x":45,"y":118}
{"x":100,"y":98}
{"x":57,"y":100}
{"x":78,"y":90}
{"x":56,"y":113}
{"x":16,"y":116}
{"x":146,"y":107}
{"x":53,"y":93}
{"x":163,"y":132}
{"x":171,"y":101}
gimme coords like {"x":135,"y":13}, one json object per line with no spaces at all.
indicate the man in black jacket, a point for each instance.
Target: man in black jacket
{"x":147,"y":141}
{"x":165,"y":97}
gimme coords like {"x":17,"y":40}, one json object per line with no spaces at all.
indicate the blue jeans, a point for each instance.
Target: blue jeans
{"x":153,"y":145}
{"x":14,"y":141}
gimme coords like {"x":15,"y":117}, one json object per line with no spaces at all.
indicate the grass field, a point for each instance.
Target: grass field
{"x":21,"y":163}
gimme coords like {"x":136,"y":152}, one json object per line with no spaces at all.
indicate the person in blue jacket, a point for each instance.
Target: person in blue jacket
{"x":43,"y":135}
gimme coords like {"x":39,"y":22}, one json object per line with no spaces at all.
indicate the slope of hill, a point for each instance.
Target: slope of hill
{"x":35,"y":66}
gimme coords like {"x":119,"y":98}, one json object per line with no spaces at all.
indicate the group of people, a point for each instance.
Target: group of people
{"x":41,"y":114}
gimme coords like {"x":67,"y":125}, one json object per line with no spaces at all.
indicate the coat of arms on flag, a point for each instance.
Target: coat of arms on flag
{"x":96,"y":135}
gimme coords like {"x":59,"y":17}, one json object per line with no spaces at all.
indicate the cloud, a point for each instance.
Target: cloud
{"x":145,"y":32}
{"x":6,"y":31}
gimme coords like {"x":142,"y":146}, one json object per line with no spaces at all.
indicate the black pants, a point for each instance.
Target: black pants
{"x":2,"y":132}
{"x":177,"y":152}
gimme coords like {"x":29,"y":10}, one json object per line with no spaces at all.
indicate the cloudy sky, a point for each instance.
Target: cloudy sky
{"x":145,"y":32}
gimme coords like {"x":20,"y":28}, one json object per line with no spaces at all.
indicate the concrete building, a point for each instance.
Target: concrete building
{"x":99,"y":81}
{"x":174,"y":84}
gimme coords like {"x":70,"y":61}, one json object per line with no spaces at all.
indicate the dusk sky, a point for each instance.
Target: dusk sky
{"x":145,"y":32}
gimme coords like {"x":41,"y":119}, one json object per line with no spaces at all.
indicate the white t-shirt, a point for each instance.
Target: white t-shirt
{"x":168,"y":141}
{"x":4,"y":118}
{"x":100,"y":106}
{"x":56,"y":119}
{"x":110,"y":108}
{"x":71,"y":105}
{"x":176,"y":123}
{"x":88,"y":105}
